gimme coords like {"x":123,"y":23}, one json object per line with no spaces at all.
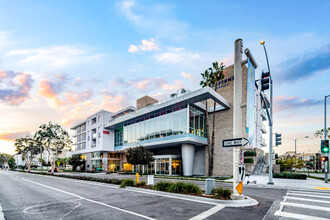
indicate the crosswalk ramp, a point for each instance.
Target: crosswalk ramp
{"x":309,"y":205}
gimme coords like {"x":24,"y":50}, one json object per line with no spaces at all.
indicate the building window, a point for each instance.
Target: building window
{"x":99,"y":135}
{"x":197,"y":122}
{"x":165,"y":122}
{"x":93,"y":121}
{"x":99,"y":118}
{"x":83,"y":128}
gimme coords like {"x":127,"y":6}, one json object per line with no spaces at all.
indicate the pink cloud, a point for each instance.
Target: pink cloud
{"x":14,"y":87}
{"x":282,"y":103}
{"x":10,"y":136}
{"x":147,"y":45}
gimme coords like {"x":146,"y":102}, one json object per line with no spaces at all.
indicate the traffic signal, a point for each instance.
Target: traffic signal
{"x":325,"y":146}
{"x":324,"y":159}
{"x":278,"y":139}
{"x":265,"y":80}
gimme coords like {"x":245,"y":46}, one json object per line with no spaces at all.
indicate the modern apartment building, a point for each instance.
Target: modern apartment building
{"x":173,"y":129}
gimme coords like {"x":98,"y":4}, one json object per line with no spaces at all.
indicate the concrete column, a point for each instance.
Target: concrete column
{"x":188,"y":155}
{"x":105,"y":160}
{"x":170,"y":167}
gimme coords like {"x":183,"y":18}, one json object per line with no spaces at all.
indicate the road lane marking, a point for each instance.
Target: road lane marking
{"x":140,"y":191}
{"x":208,"y":213}
{"x":89,"y":200}
{"x":313,"y":193}
{"x":323,"y":188}
{"x":308,"y":195}
{"x":309,"y":200}
{"x":306,"y":206}
{"x":298,"y":216}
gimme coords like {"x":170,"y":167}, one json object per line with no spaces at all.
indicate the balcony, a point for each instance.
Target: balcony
{"x":263,"y":142}
{"x":94,"y":136}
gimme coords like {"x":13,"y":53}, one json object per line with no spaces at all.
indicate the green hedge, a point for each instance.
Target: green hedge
{"x":250,"y":153}
{"x":248,"y":160}
{"x":290,"y":175}
{"x":178,"y":187}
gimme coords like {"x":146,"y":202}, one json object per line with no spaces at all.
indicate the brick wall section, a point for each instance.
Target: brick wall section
{"x":145,"y":101}
{"x":223,"y":157}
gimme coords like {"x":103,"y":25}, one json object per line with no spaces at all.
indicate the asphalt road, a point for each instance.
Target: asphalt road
{"x":28,"y":196}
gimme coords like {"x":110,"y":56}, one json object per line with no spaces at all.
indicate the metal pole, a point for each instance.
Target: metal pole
{"x":42,"y":169}
{"x":270,"y":179}
{"x":326,"y":169}
{"x":237,"y":111}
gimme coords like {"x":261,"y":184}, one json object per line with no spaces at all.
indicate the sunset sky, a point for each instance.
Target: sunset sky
{"x":61,"y":61}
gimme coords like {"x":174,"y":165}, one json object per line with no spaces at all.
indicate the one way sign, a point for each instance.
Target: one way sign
{"x":236,"y":142}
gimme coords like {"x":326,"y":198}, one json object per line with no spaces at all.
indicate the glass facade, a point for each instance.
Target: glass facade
{"x":165,"y":122}
{"x":197,"y":122}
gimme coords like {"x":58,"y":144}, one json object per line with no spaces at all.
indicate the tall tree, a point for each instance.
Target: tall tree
{"x":218,"y":74}
{"x":54,"y":138}
{"x":11,"y":163}
{"x":28,"y":148}
{"x":4,"y":159}
{"x":208,"y":80}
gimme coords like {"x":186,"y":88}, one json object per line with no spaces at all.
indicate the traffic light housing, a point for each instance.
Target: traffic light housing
{"x":265,"y":80}
{"x":278,"y":139}
{"x":324,"y":159}
{"x":324,"y":146}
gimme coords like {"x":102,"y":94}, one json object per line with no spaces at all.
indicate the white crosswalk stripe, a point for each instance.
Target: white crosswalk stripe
{"x":305,"y":205}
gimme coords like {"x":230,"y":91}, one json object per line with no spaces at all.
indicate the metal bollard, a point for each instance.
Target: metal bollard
{"x":209,"y":186}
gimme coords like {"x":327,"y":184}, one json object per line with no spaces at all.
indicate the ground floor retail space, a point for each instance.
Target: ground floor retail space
{"x":185,"y":159}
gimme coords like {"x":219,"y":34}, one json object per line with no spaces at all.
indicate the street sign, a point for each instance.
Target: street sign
{"x":241,"y":173}
{"x":236,"y":142}
{"x":239,"y":188}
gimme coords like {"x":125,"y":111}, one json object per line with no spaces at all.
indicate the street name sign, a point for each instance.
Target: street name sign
{"x":236,"y":142}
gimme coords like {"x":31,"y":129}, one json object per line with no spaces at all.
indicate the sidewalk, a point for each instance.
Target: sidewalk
{"x":262,"y":181}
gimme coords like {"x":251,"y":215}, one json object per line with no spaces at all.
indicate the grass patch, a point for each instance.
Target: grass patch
{"x":141,"y":183}
{"x":317,"y":178}
{"x":222,"y":193}
{"x":127,"y":182}
{"x":290,"y":176}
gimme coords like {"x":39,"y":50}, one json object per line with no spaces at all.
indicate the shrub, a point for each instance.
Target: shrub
{"x":161,"y":186}
{"x":248,"y":160}
{"x":127,"y":182}
{"x":141,"y":183}
{"x":222,"y":193}
{"x":185,"y":188}
{"x":290,"y":175}
{"x":250,"y":153}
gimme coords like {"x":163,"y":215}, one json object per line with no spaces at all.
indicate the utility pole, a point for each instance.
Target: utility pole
{"x":326,"y":164}
{"x":237,"y":111}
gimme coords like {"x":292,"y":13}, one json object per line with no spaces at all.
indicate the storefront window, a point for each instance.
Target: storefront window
{"x":128,"y":167}
{"x":97,"y":165}
{"x":113,"y":165}
{"x":197,"y":123}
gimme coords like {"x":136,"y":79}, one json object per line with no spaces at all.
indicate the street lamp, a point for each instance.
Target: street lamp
{"x":270,"y":179}
{"x":326,"y":164}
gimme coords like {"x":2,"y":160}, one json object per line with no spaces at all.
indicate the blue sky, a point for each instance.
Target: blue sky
{"x":64,"y":60}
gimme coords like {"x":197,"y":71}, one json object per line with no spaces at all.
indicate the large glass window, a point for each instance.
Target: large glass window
{"x":197,"y":123}
{"x":162,"y":123}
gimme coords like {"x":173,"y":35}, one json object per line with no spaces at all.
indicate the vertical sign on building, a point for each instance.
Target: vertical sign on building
{"x":250,"y":101}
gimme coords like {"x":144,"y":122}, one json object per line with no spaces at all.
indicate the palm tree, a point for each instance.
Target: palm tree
{"x":207,"y":80}
{"x":217,"y":73}
{"x":320,"y":133}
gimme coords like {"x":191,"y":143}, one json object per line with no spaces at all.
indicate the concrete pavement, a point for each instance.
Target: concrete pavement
{"x":32,"y":196}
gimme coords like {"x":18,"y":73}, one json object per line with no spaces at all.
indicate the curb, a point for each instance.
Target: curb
{"x":248,"y":201}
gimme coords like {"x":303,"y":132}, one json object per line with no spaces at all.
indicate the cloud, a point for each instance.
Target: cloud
{"x":53,"y":90}
{"x":306,"y":65}
{"x":283,"y":103}
{"x":177,"y":55}
{"x":55,"y":56}
{"x":14,"y":87}
{"x":126,"y":8}
{"x":113,"y":102}
{"x":146,"y":46}
{"x":7,"y":136}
